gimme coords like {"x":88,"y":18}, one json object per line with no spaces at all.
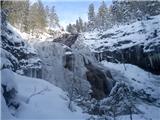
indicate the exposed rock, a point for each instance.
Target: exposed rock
{"x":134,"y":55}
{"x":67,"y":39}
{"x":100,"y":80}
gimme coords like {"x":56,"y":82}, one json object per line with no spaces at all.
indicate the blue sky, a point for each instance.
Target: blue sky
{"x":69,"y":10}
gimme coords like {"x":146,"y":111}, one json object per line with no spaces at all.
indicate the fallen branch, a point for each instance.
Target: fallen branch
{"x":36,"y":93}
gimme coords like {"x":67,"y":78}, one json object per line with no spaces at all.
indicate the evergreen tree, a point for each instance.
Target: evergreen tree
{"x":47,"y":11}
{"x":33,"y":17}
{"x":69,"y":28}
{"x":42,"y":15}
{"x":37,"y":17}
{"x":91,"y":13}
{"x":25,"y":17}
{"x":91,"y":17}
{"x":53,"y":17}
{"x":80,"y":24}
{"x":77,"y":26}
{"x":102,"y":15}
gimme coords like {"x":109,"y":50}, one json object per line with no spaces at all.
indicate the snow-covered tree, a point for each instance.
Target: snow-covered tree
{"x":91,"y":17}
{"x":71,"y":28}
{"x":53,"y":18}
{"x":42,"y":15}
{"x":102,"y":15}
{"x":25,"y":17}
{"x":81,"y":24}
{"x":37,"y":17}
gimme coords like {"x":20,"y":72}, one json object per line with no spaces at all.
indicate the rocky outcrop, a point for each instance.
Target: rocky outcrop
{"x":149,"y":61}
{"x":17,"y":54}
{"x":67,"y":39}
{"x":100,"y":80}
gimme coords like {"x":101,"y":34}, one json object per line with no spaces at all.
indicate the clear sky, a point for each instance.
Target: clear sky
{"x":69,"y":10}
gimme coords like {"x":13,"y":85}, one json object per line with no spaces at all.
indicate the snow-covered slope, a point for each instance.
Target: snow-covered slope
{"x":39,"y":99}
{"x":17,"y":54}
{"x":136,"y":77}
{"x":144,"y":84}
{"x":124,"y":36}
{"x":137,"y":43}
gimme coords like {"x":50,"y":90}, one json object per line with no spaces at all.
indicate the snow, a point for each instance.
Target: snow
{"x":41,"y":37}
{"x":137,"y":33}
{"x":149,"y":113}
{"x":56,"y":73}
{"x":47,"y":101}
{"x":5,"y":114}
{"x":137,"y":78}
{"x":7,"y":79}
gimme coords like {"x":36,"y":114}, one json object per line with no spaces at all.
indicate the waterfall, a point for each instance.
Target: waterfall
{"x":61,"y":64}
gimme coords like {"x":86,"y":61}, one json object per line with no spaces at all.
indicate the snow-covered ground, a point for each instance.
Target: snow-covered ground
{"x":139,"y":80}
{"x":39,"y":99}
{"x":41,"y":37}
{"x":124,"y":36}
{"x":137,"y":77}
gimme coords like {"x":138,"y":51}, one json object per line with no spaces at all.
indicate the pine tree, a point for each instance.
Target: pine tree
{"x":37,"y":17}
{"x":53,"y":17}
{"x":69,"y":28}
{"x":42,"y":15}
{"x":25,"y":17}
{"x":47,"y":11}
{"x":102,"y":15}
{"x":91,"y":17}
{"x":80,"y":24}
{"x":91,"y":13}
{"x":33,"y":17}
{"x":77,"y":26}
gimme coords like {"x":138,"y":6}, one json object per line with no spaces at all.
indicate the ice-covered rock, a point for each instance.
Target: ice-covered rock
{"x":63,"y":65}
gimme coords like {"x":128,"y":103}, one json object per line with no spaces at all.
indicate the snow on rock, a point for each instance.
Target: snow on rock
{"x":7,"y":60}
{"x":40,"y":100}
{"x":135,"y":92}
{"x":137,"y":43}
{"x":141,"y":81}
{"x":72,"y":66}
{"x":7,"y":79}
{"x":140,"y":32}
{"x":16,"y":53}
{"x":61,"y":68}
{"x":5,"y":113}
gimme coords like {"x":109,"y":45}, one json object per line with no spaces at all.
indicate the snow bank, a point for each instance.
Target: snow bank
{"x":137,"y":78}
{"x":40,"y":99}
